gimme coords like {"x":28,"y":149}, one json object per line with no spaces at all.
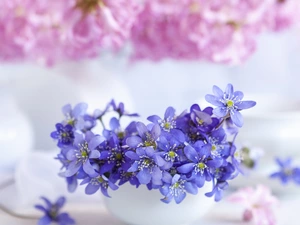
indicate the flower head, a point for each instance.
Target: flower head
{"x":287,"y":172}
{"x":259,"y":204}
{"x":64,"y":134}
{"x":52,"y":213}
{"x":229,"y":104}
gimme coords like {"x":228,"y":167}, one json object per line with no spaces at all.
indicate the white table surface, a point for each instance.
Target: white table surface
{"x":94,"y":213}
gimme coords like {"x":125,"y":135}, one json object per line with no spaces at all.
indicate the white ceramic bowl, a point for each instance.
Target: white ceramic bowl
{"x":139,"y":206}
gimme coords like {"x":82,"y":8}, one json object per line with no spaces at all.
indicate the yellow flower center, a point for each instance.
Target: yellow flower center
{"x":167,"y":125}
{"x":119,"y":156}
{"x":172,"y":154}
{"x":201,"y":166}
{"x":101,"y":180}
{"x":213,"y":147}
{"x":84,"y":154}
{"x":230,"y":103}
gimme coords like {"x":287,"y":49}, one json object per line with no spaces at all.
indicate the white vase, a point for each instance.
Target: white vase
{"x":139,"y":206}
{"x":16,"y":135}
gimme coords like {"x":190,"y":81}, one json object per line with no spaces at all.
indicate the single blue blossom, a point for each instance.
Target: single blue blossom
{"x":176,"y":189}
{"x":288,"y":172}
{"x":145,"y":137}
{"x":83,"y":151}
{"x":74,"y":117}
{"x":99,"y":182}
{"x":229,"y":104}
{"x":147,"y":165}
{"x":64,"y":134}
{"x":120,"y":109}
{"x":52,"y":213}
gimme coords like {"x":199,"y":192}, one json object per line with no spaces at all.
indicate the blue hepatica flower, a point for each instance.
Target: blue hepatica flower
{"x":120,"y":109}
{"x":84,"y":150}
{"x":229,"y":103}
{"x":147,"y":164}
{"x":52,"y":213}
{"x":146,"y":138}
{"x":64,"y":134}
{"x":100,"y":182}
{"x":287,"y":172}
{"x":200,"y":163}
{"x":219,"y":145}
{"x":176,"y":188}
{"x":74,"y":117}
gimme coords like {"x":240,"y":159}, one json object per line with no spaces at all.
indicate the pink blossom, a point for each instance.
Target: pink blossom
{"x":259,"y":204}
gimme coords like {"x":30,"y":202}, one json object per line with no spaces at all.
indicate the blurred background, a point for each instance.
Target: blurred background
{"x":32,"y":95}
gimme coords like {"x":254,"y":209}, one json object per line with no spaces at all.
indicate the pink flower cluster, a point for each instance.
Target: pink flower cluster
{"x":50,"y":31}
{"x":259,"y":204}
{"x":217,"y":30}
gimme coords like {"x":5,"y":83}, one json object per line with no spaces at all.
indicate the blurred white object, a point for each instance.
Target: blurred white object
{"x":136,"y":206}
{"x":37,"y":175}
{"x":42,"y":92}
{"x":16,"y":135}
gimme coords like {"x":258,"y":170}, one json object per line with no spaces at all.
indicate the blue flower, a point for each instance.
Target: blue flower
{"x":200,"y":164}
{"x":64,"y":134}
{"x":120,"y":109}
{"x":229,"y":103}
{"x":99,"y":182}
{"x":147,"y":164}
{"x":219,"y":146}
{"x":52,"y":213}
{"x":74,"y":117}
{"x":176,"y":188}
{"x":83,"y":151}
{"x":287,"y":171}
{"x":146,"y":138}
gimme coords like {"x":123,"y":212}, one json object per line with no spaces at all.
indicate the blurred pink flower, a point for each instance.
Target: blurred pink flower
{"x":259,"y":204}
{"x":50,"y":31}
{"x":217,"y":31}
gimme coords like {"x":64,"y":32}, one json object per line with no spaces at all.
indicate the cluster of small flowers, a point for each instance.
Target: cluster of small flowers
{"x":176,"y":154}
{"x":218,"y":31}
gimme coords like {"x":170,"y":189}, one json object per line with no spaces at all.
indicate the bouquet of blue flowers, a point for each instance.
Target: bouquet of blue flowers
{"x":175,"y":154}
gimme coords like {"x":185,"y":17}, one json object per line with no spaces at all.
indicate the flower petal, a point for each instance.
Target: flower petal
{"x":45,"y":220}
{"x":80,"y":109}
{"x":133,"y":141}
{"x":95,"y":154}
{"x":220,"y":111}
{"x":217,"y":91}
{"x":214,"y":100}
{"x":237,"y":118}
{"x":186,"y":168}
{"x":144,"y":176}
{"x":91,"y":189}
{"x":170,"y":113}
{"x":87,"y":167}
{"x":191,"y":153}
{"x":142,"y":129}
{"x":246,"y":104}
{"x":95,"y":142}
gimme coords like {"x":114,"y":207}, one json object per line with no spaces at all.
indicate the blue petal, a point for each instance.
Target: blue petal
{"x":142,"y":129}
{"x":214,"y":100}
{"x":178,"y":135}
{"x":95,"y":142}
{"x":71,"y":155}
{"x":236,"y":118}
{"x":156,"y":176}
{"x":246,"y":105}
{"x":205,"y":151}
{"x":167,"y":178}
{"x":134,"y":167}
{"x":79,"y":109}
{"x":114,"y":123}
{"x":204,"y":116}
{"x":41,"y":208}
{"x":106,"y":167}
{"x":95,"y":154}
{"x":164,"y":190}
{"x":87,"y":167}
{"x":78,"y":139}
{"x":132,"y":155}
{"x":191,"y":188}
{"x":220,"y":111}
{"x":154,"y":119}
{"x":144,"y":176}
{"x":155,"y":132}
{"x":104,"y":192}
{"x":45,"y":220}
{"x":238,"y":95}
{"x":133,"y":141}
{"x":67,"y":110}
{"x":200,"y":180}
{"x":91,"y":189}
{"x":149,"y":151}
{"x":186,"y":168}
{"x":170,"y":113}
{"x":140,"y":151}
{"x":179,"y":198}
{"x":60,"y":202}
{"x":113,"y":186}
{"x":217,"y":91}
{"x":229,"y":89}
{"x":191,"y":153}
{"x":159,"y":160}
{"x":72,"y":168}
